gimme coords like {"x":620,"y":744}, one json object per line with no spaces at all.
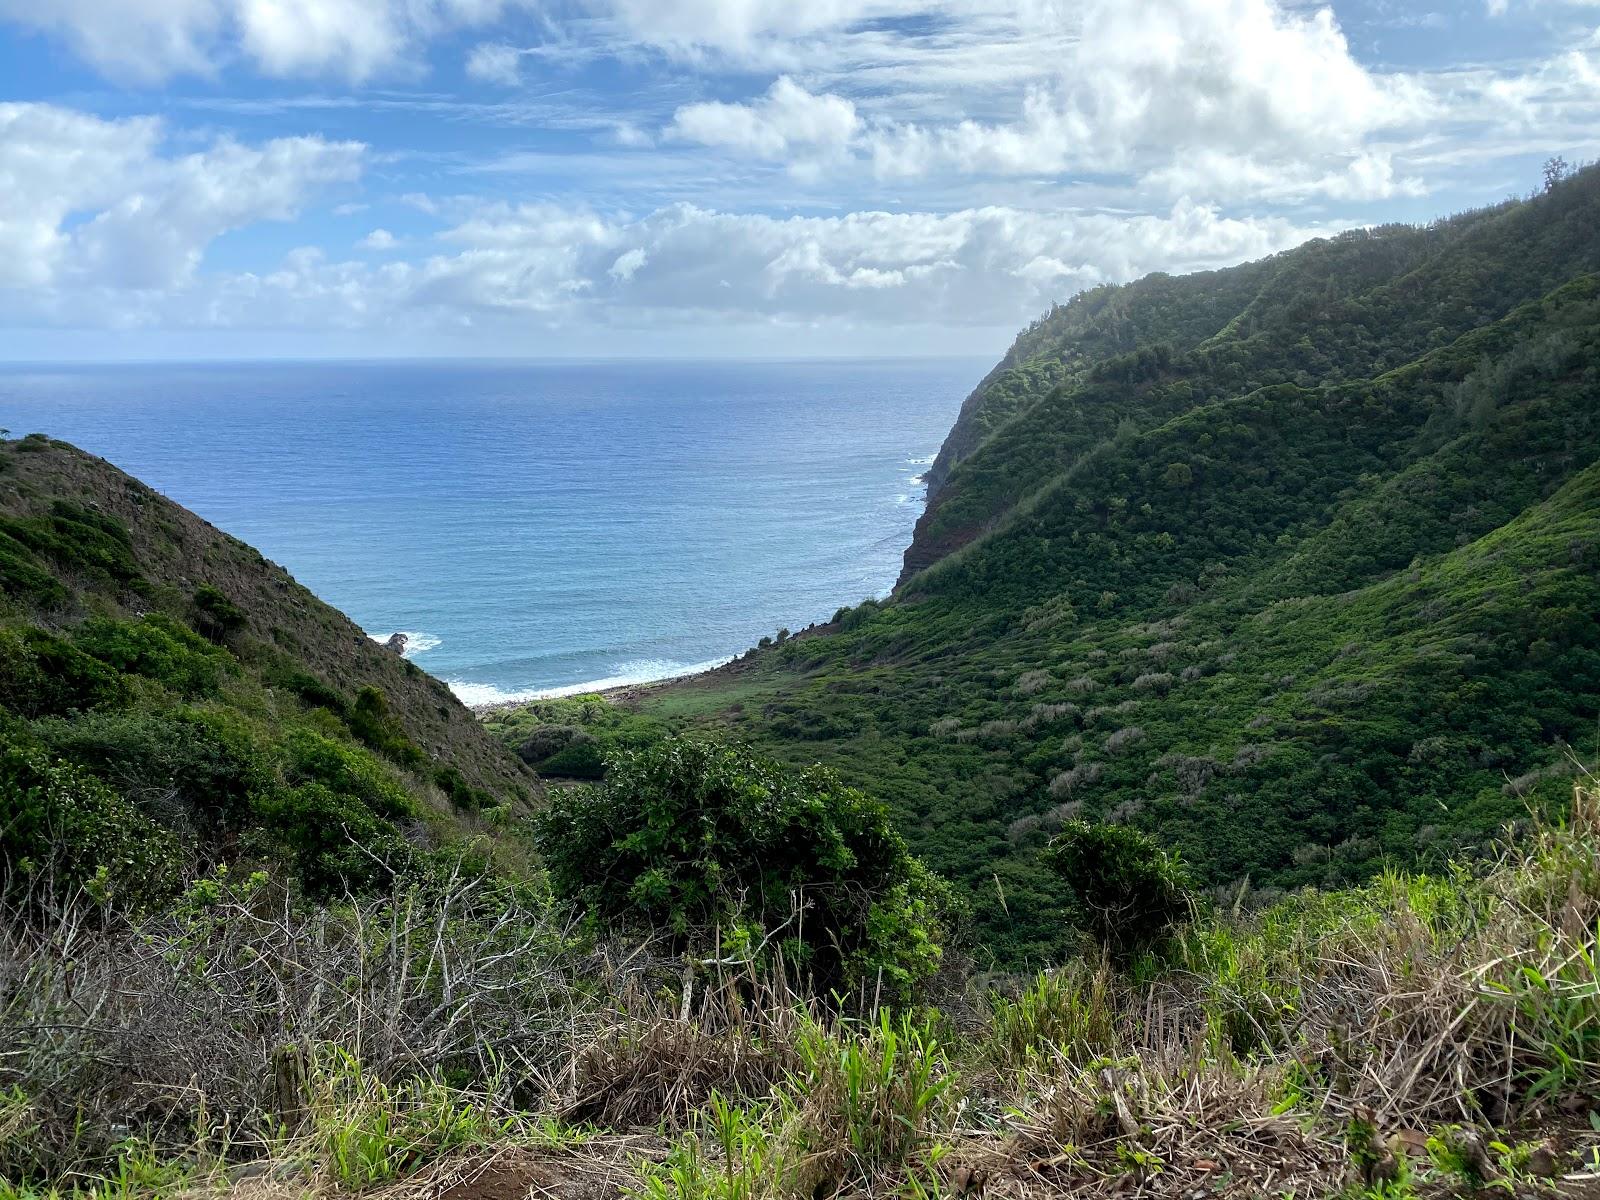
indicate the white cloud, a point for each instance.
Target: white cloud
{"x":144,"y":39}
{"x":378,"y":239}
{"x":495,"y":62}
{"x":1367,"y":175}
{"x":92,"y":203}
{"x":1231,"y":96}
{"x":1541,"y":93}
{"x":544,"y":267}
{"x":786,"y":119}
{"x":150,"y":40}
{"x":628,"y":264}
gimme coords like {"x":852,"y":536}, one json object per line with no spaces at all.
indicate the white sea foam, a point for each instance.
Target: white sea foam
{"x":641,"y":671}
{"x":926,"y":461}
{"x":475,"y":695}
{"x":416,"y":643}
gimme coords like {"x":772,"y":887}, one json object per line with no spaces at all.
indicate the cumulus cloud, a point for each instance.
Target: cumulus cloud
{"x":92,"y":203}
{"x":150,"y":40}
{"x":1232,"y":97}
{"x":547,"y":267}
{"x":787,"y":119}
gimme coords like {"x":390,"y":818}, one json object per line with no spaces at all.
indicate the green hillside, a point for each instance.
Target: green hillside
{"x":169,"y":699}
{"x":1293,"y":565}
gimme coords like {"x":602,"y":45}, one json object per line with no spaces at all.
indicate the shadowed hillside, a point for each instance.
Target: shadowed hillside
{"x":184,"y":683}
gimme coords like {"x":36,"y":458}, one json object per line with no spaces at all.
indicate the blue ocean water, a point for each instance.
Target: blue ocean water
{"x":536,"y":528}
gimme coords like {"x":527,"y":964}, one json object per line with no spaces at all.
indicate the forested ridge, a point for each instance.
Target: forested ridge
{"x":1291,"y":565}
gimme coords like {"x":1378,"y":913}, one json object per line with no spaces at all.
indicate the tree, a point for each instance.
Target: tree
{"x":1178,"y":475}
{"x":706,"y":840}
{"x":1555,"y":170}
{"x":1126,"y":890}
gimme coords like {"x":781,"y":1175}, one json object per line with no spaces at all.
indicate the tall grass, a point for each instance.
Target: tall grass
{"x":1420,"y":1032}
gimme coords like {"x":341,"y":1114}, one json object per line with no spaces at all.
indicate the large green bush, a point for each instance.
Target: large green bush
{"x":159,"y":648}
{"x":199,"y":769}
{"x":1126,"y":890}
{"x":42,"y":675}
{"x":61,"y":825}
{"x":702,"y":839}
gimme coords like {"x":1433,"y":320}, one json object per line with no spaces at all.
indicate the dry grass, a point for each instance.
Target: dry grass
{"x":457,"y":1047}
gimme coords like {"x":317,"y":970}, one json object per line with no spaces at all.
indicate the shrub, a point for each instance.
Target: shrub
{"x":23,"y":577}
{"x":219,"y":616}
{"x":1121,"y":739}
{"x":314,"y":758}
{"x":201,"y":769}
{"x":462,"y":795}
{"x":158,"y":648}
{"x":76,"y":538}
{"x":332,"y":840}
{"x":1126,"y":891}
{"x":582,"y":758}
{"x":696,"y":837}
{"x":311,"y":690}
{"x":372,"y":722}
{"x":64,"y":826}
{"x":1030,"y":682}
{"x":547,"y":741}
{"x":42,"y":675}
{"x":1069,"y":781}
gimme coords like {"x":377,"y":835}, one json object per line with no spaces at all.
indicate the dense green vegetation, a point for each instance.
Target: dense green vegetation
{"x":168,"y":700}
{"x":1291,"y":566}
{"x":742,"y":861}
{"x":571,"y":737}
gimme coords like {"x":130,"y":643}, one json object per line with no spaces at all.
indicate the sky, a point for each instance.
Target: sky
{"x":195,"y":179}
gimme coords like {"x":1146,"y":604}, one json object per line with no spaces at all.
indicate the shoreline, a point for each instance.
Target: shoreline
{"x":622,"y":693}
{"x":615,"y":693}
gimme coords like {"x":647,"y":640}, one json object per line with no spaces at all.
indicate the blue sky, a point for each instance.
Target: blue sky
{"x":264,"y":178}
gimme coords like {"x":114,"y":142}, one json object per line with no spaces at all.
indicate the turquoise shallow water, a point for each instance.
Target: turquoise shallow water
{"x":537,"y":527}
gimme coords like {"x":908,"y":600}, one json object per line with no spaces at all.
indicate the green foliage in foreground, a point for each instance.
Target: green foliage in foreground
{"x":1126,"y":891}
{"x":452,"y":1020}
{"x":706,"y":839}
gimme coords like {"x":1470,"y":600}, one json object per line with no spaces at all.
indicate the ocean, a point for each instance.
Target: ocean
{"x":536,"y":529}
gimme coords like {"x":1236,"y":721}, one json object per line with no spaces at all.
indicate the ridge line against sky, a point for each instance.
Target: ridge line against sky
{"x":256,"y":178}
